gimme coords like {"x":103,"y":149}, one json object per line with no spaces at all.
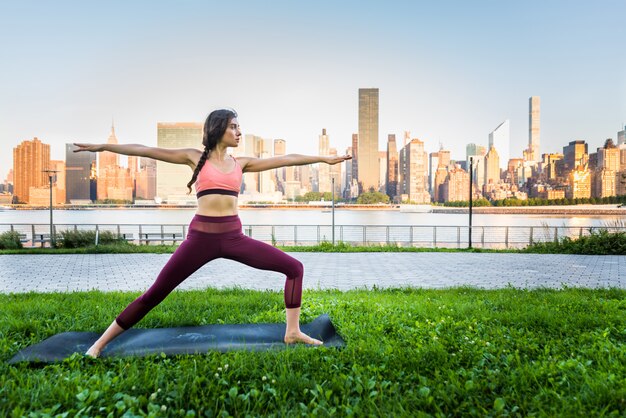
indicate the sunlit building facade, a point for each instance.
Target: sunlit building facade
{"x":172,"y":179}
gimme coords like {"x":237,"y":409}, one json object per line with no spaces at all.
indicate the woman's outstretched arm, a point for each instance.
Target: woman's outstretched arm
{"x":249,"y":164}
{"x":189,"y":156}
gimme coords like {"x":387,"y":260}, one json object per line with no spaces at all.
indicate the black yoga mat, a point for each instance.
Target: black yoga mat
{"x":182,"y":340}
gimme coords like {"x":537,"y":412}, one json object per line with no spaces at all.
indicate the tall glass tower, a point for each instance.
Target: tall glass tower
{"x":78,"y":167}
{"x":368,"y":169}
{"x":534,"y":128}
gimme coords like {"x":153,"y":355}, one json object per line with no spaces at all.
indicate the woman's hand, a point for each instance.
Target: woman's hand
{"x":336,"y":160}
{"x":89,"y":147}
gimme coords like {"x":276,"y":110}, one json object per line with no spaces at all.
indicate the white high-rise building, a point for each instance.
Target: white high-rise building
{"x":500,"y":139}
{"x":477,"y":152}
{"x":534,"y":128}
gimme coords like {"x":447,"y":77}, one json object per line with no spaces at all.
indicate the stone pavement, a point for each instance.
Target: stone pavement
{"x":343,"y":271}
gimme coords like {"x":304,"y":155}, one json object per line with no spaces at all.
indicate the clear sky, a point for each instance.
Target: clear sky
{"x":448,"y":71}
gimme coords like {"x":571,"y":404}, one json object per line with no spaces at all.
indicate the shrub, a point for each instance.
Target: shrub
{"x":76,"y":239}
{"x":600,"y":242}
{"x":10,"y":240}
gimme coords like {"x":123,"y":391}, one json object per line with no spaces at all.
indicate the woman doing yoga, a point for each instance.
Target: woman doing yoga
{"x":215,"y":230}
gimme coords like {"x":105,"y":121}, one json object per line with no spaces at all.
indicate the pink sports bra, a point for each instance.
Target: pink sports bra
{"x":213,"y":181}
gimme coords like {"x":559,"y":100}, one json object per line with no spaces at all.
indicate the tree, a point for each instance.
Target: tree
{"x":369,"y":198}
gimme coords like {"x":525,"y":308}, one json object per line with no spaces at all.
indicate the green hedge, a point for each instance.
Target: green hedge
{"x":600,"y":242}
{"x":76,"y":239}
{"x":10,"y":240}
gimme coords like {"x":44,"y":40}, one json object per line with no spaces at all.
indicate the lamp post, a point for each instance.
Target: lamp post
{"x":50,"y":175}
{"x":332,"y":181}
{"x":470,"y":199}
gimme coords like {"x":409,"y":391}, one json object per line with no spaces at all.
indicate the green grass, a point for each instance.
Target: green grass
{"x":324,"y":247}
{"x":342,"y":247}
{"x":100,"y":249}
{"x":456,"y":352}
{"x":601,"y":242}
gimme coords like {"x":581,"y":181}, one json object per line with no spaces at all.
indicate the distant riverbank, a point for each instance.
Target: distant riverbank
{"x":538,"y":210}
{"x":611,"y":209}
{"x":338,"y":206}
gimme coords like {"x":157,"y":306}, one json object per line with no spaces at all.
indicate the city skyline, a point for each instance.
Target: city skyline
{"x":448,"y":73}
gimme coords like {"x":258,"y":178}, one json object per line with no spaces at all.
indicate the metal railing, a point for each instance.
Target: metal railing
{"x":435,"y":236}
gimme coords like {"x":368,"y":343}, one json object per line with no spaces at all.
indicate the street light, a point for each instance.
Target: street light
{"x":332,"y":180}
{"x":50,"y":175}
{"x":470,"y":199}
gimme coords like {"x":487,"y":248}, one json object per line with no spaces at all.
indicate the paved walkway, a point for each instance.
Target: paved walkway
{"x":68,"y":273}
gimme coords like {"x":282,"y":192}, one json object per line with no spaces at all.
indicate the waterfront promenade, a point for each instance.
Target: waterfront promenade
{"x":343,"y":271}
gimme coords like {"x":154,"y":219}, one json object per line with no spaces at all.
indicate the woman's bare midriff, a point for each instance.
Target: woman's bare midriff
{"x":217,"y":205}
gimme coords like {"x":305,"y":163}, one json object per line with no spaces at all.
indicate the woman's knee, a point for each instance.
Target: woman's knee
{"x":296,"y":269}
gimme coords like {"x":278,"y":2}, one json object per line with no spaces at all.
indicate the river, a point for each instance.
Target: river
{"x":302,"y":217}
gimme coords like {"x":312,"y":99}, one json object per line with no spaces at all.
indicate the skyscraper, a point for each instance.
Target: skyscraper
{"x":382,"y":172}
{"x":323,"y":170}
{"x":604,"y":177}
{"x":368,"y":171}
{"x":392,"y":167}
{"x":433,"y":163}
{"x":59,"y":179}
{"x":146,"y":179}
{"x":549,"y":165}
{"x":355,"y":157}
{"x":78,"y":167}
{"x":500,"y":139}
{"x":438,"y":172}
{"x":172,"y":179}
{"x":608,"y":156}
{"x":621,"y":137}
{"x":492,"y":167}
{"x":439,"y":177}
{"x":574,"y":154}
{"x":456,"y":186}
{"x":106,"y":158}
{"x":280,"y":147}
{"x":579,"y":183}
{"x":477,"y":152}
{"x":413,"y":163}
{"x":534,"y":128}
{"x":30,"y":159}
{"x":114,"y":182}
{"x":253,"y":147}
{"x":267,"y":179}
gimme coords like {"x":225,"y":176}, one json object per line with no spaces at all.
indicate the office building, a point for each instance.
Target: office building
{"x":391,"y":180}
{"x":172,"y":179}
{"x":412,"y":167}
{"x":499,"y":138}
{"x":368,"y":173}
{"x":30,"y":160}
{"x":534,"y":128}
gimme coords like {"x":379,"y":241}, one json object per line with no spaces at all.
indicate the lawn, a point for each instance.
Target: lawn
{"x":410,"y":352}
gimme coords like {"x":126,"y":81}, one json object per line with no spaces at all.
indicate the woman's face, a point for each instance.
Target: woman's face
{"x":232,"y":135}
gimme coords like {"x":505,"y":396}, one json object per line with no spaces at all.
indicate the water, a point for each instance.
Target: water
{"x":300,"y":217}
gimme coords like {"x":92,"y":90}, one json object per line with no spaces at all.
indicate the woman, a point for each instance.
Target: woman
{"x":215,"y":230}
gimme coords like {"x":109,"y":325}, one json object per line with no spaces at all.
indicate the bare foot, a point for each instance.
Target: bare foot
{"x":301,"y":337}
{"x":93,"y":352}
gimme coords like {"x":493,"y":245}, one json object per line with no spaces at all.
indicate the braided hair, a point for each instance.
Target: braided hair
{"x":214,"y":128}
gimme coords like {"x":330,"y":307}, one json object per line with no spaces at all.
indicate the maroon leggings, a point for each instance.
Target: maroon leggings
{"x":212,"y":237}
